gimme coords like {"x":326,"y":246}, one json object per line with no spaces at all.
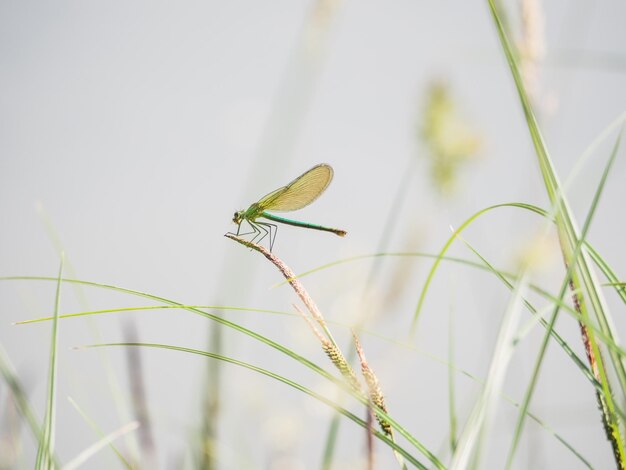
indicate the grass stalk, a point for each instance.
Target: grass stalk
{"x":568,"y":282}
{"x":582,"y":277}
{"x":379,"y":435}
{"x":45,"y":451}
{"x":330,"y":346}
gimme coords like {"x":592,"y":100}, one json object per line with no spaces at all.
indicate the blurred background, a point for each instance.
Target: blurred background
{"x":131,"y":132}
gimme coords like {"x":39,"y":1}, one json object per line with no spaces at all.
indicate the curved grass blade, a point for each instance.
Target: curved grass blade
{"x":447,"y":245}
{"x":296,"y":386}
{"x":566,"y":282}
{"x":151,"y":307}
{"x":257,"y":337}
{"x":472,"y":377}
{"x":614,"y":279}
{"x":583,"y":278}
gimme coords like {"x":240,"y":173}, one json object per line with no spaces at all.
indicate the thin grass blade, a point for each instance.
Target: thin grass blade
{"x":46,"y":448}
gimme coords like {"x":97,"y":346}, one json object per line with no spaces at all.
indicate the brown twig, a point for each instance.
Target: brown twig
{"x":291,"y":278}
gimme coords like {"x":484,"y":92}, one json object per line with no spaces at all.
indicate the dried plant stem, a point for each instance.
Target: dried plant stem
{"x":334,"y":354}
{"x":376,"y":398}
{"x":375,"y":393}
{"x":291,"y":278}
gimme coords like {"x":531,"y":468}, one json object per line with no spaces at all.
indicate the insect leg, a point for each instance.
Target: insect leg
{"x":257,"y":231}
{"x":262,"y":226}
{"x":245,"y":233}
{"x":272,"y":238}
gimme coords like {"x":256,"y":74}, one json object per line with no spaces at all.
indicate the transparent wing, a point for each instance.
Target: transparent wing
{"x":301,"y":192}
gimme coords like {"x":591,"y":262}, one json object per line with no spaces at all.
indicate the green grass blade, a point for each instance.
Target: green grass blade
{"x":46,"y":448}
{"x":540,"y":357}
{"x":583,"y":278}
{"x":433,"y":269}
{"x":79,"y":293}
{"x":303,"y":389}
{"x":568,"y":350}
{"x":472,"y":439}
{"x":257,"y":337}
{"x":151,"y":307}
{"x":503,"y":276}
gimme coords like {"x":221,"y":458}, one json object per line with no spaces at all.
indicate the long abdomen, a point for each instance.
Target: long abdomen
{"x":297,"y":223}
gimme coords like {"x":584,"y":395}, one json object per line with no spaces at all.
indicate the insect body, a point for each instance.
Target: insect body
{"x":301,"y":192}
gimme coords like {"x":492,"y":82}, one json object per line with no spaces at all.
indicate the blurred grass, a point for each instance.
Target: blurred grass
{"x":45,"y":451}
{"x":590,"y":311}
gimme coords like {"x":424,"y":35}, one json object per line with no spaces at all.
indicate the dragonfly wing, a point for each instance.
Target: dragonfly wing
{"x":301,"y":192}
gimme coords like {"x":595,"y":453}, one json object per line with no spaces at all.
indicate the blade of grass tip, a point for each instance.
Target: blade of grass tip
{"x":568,"y":235}
{"x":381,"y":436}
{"x":92,"y":424}
{"x":112,"y":380}
{"x":446,"y":246}
{"x":46,"y":447}
{"x":591,"y":148}
{"x":99,"y":445}
{"x":239,"y":329}
{"x":150,"y":307}
{"x":608,"y":272}
{"x":441,"y":256}
{"x":565,"y":284}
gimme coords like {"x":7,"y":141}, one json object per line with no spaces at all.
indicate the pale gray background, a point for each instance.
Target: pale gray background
{"x":140,"y":127}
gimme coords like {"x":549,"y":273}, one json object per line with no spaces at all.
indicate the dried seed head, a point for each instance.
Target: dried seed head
{"x":375,"y":393}
{"x":340,"y":362}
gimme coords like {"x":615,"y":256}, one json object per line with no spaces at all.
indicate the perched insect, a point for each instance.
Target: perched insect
{"x":301,"y":192}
